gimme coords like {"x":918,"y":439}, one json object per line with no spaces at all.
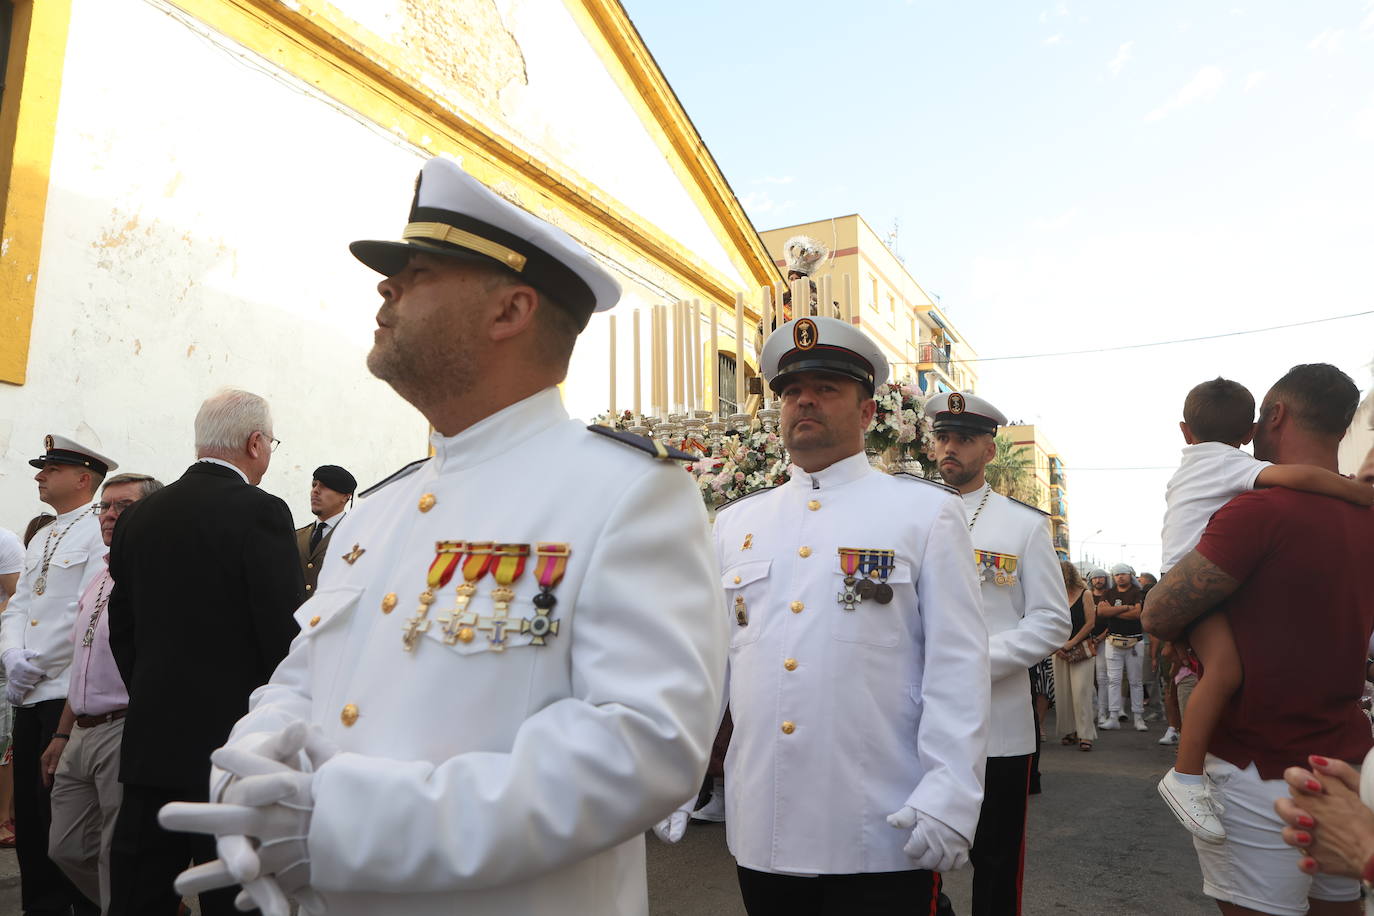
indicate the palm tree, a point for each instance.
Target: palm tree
{"x":1012,"y":472}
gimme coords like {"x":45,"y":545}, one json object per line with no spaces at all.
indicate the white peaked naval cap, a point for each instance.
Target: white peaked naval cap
{"x":963,"y":411}
{"x":820,"y":344}
{"x":455,"y":215}
{"x":61,"y":450}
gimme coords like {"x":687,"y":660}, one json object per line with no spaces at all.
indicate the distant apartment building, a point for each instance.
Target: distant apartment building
{"x":907,"y":323}
{"x":1047,"y":477}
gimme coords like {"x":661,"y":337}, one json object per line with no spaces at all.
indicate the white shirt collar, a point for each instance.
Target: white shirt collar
{"x":71,"y":514}
{"x":333,"y":520}
{"x":974,"y":497}
{"x":834,"y":475}
{"x":226,"y":464}
{"x":499,"y":433}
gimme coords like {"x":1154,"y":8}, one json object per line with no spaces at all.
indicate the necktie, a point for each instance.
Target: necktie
{"x":316,"y":536}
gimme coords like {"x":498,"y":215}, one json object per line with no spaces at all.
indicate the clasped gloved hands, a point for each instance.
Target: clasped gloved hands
{"x":21,"y":674}
{"x":933,"y":845}
{"x":261,"y":821}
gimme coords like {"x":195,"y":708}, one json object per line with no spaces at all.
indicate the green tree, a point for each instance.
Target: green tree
{"x":1012,"y":472}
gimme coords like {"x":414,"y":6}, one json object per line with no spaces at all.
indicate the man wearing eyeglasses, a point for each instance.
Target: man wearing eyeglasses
{"x":36,"y":650}
{"x":81,"y":764}
{"x":205,"y":583}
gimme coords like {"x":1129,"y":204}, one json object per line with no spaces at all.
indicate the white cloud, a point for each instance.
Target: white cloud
{"x":1054,"y":39}
{"x":1201,"y":88}
{"x":1367,"y":25}
{"x":1123,"y":54}
{"x":757,"y":202}
{"x":1061,"y":9}
{"x":1329,"y":41}
{"x":1254,"y":80}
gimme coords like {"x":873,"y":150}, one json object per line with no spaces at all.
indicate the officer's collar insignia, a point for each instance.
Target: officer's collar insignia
{"x":804,"y":334}
{"x":956,"y":403}
{"x":748,"y":542}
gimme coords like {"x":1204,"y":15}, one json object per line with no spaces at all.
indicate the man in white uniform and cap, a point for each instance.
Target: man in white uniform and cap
{"x":513,"y":662}
{"x":36,"y":650}
{"x":1028,"y":619}
{"x":858,"y":659}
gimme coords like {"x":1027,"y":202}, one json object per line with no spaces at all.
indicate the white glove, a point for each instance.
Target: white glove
{"x":22,"y":675}
{"x":672,"y":827}
{"x":284,"y":746}
{"x":934,"y":845}
{"x":261,"y":825}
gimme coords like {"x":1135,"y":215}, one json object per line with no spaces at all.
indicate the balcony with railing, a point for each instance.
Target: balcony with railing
{"x":939,"y":354}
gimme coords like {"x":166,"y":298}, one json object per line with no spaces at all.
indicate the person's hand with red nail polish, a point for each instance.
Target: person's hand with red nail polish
{"x":1326,"y":819}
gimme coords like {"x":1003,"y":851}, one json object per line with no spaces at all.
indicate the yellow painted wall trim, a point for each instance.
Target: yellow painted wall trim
{"x":315,"y":43}
{"x":648,"y":90}
{"x":28,"y":127}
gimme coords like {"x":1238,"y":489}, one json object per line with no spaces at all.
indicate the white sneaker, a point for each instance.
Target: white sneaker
{"x":1140,"y":725}
{"x":1109,"y":723}
{"x":1170,"y":736}
{"x":713,"y":810}
{"x":1193,"y":806}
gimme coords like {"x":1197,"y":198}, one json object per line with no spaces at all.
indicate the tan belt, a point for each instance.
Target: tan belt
{"x":92,"y":721}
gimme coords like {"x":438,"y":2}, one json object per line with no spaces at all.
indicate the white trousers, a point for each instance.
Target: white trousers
{"x":1131,"y":660}
{"x":1100,"y":667}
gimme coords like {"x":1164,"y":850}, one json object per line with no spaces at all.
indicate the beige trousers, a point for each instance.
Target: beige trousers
{"x":1073,"y":698}
{"x":85,"y":802}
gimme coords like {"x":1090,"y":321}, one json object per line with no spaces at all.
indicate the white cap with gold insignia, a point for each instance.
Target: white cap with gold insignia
{"x":819,"y":344}
{"x":61,"y":450}
{"x":963,"y":411}
{"x":455,"y":215}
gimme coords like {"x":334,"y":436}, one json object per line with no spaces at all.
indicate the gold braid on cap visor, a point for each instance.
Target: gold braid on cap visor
{"x":442,"y":232}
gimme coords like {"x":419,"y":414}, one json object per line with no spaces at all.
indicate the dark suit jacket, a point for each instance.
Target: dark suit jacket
{"x":312,"y":560}
{"x":206,"y":582}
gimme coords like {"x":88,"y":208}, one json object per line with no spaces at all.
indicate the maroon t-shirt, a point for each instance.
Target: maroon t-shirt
{"x":1302,"y":619}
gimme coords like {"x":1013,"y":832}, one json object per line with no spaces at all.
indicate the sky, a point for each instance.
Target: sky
{"x":1070,"y":176}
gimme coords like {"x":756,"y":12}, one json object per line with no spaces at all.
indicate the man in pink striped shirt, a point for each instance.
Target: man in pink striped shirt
{"x":82,"y":761}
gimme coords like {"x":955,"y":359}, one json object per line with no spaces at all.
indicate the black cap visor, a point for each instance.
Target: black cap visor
{"x":972,"y":424}
{"x":835,"y":360}
{"x":73,"y":458}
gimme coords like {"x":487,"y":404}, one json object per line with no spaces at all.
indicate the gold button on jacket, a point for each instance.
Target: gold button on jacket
{"x":788,"y":728}
{"x":349,"y":714}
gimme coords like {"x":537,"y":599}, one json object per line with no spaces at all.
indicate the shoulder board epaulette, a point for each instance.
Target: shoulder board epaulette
{"x":387,"y":481}
{"x":926,"y":480}
{"x":1029,"y":506}
{"x":644,"y":444}
{"x":739,"y":499}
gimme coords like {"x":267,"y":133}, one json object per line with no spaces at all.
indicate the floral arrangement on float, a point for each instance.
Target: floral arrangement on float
{"x":746,"y":453}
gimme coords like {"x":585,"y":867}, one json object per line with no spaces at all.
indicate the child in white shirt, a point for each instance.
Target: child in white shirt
{"x":1218,"y":418}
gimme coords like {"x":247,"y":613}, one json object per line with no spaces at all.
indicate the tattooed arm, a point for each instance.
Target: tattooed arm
{"x":1193,"y":587}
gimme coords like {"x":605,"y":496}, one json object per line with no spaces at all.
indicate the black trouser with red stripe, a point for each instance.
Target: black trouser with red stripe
{"x":999,"y":846}
{"x":888,"y":893}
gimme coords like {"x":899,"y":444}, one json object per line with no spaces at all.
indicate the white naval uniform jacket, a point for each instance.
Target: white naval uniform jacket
{"x":1027,"y":617}
{"x":44,"y":622}
{"x":887,"y":704}
{"x":474,"y":781}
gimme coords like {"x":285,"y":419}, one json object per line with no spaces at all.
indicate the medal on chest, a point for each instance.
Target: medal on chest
{"x":446,"y":557}
{"x":459,"y":624}
{"x":997,"y":568}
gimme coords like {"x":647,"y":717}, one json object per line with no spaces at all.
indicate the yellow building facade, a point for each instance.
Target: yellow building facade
{"x":914,"y":333}
{"x":1047,"y":472}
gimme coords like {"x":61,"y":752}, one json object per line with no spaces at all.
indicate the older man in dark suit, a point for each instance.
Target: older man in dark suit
{"x":331,"y":493}
{"x":206,"y":580}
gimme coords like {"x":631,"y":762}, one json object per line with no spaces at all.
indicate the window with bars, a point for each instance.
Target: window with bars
{"x":725,"y":386}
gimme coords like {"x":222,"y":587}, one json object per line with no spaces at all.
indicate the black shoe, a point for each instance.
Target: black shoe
{"x":1122,"y":718}
{"x":944,"y":908}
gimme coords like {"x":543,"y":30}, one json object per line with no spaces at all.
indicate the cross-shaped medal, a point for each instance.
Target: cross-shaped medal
{"x":352,"y":556}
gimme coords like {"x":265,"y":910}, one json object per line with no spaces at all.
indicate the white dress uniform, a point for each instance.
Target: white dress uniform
{"x":844,"y":716}
{"x":43,"y":623}
{"x":1024,"y":604}
{"x":59,"y":563}
{"x":478,"y":777}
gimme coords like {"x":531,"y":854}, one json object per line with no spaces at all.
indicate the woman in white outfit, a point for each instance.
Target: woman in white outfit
{"x":1074,"y":666}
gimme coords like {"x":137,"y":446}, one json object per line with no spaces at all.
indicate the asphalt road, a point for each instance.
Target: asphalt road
{"x":1100,"y":842}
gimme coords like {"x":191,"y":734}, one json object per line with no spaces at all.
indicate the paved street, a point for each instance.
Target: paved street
{"x":1101,"y":843}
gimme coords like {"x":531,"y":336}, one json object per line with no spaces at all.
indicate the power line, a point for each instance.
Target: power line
{"x":1159,"y":343}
